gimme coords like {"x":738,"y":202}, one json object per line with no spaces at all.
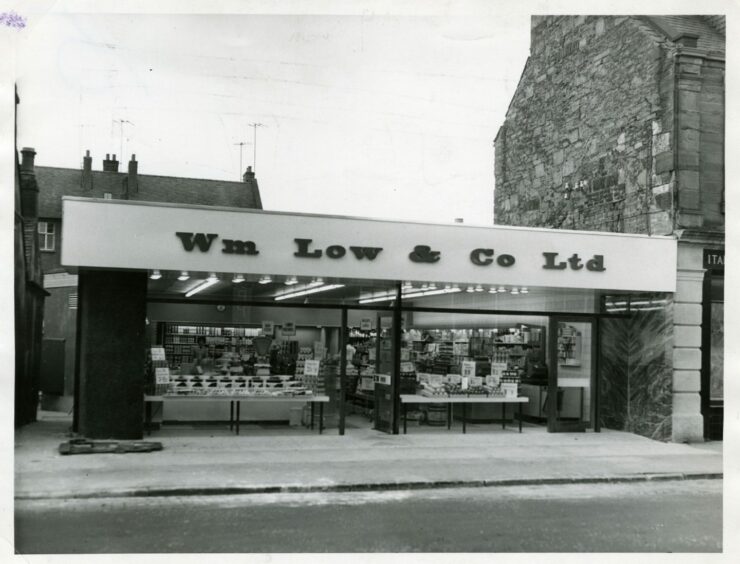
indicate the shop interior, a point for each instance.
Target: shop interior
{"x":280,"y":336}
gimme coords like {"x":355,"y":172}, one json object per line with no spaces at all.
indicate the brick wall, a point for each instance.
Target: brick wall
{"x":585,"y":139}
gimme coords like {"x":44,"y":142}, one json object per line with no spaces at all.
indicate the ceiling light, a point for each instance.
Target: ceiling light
{"x":212,"y":279}
{"x":425,"y":286}
{"x":479,"y":288}
{"x":238,"y":279}
{"x":470,"y":289}
{"x":501,"y":290}
{"x":524,"y":290}
{"x":291,"y":280}
{"x":155,"y":275}
{"x":308,"y":291}
{"x":492,"y":290}
{"x":456,"y":287}
{"x":184,"y":275}
{"x":514,"y":291}
{"x":265,"y":279}
{"x":448,"y":286}
{"x":432,"y":286}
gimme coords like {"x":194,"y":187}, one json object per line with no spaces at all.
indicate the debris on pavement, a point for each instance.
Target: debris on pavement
{"x":86,"y":446}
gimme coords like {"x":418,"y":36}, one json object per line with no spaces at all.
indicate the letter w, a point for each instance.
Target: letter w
{"x":190,"y":240}
{"x":369,"y":252}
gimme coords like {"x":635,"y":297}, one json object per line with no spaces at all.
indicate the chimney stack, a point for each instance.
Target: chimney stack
{"x":86,"y":182}
{"x":27,"y":158}
{"x":29,"y":187}
{"x":110,"y":165}
{"x":686,"y":40}
{"x":133,"y":176}
{"x":249,"y":175}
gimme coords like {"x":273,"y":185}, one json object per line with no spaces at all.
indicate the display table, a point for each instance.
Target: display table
{"x":236,"y":402}
{"x":408,"y":398}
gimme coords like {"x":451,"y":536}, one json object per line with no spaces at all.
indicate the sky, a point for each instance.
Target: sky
{"x":389,"y":116}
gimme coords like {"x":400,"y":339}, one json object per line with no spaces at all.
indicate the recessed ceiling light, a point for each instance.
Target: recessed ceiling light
{"x":238,"y":279}
{"x":155,"y":275}
{"x":265,"y":279}
{"x":501,"y":289}
{"x":524,"y":290}
{"x":184,"y":275}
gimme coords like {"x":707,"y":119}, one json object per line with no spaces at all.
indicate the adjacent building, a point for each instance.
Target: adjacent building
{"x":61,"y":324}
{"x":617,"y":124}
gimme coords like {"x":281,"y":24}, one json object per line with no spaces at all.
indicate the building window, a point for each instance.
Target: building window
{"x":47,"y":236}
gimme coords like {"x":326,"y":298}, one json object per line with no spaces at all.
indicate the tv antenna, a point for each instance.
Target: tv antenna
{"x":254,"y":127}
{"x":120,"y":123}
{"x":241,"y":151}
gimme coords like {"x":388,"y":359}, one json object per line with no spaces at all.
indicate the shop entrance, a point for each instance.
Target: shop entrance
{"x":569,"y":404}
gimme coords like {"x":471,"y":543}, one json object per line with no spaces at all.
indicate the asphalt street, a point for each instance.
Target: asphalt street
{"x":670,"y":516}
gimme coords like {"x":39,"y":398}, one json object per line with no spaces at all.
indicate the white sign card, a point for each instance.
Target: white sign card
{"x":454,"y":378}
{"x":464,"y":382}
{"x":493,"y":380}
{"x":158,"y":353}
{"x":311,"y":367}
{"x":162,"y":375}
{"x":366,"y":324}
{"x":268,"y":328}
{"x":468,"y":368}
{"x":476,"y":381}
{"x":509,"y":389}
{"x":405,"y":354}
{"x":288,"y":329}
{"x":408,"y":367}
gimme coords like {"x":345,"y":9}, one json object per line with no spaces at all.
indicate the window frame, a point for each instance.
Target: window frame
{"x":47,"y":239}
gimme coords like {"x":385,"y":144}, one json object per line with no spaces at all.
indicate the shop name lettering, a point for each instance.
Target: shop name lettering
{"x":420,"y":254}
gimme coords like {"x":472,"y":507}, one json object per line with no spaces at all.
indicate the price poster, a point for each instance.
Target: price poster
{"x":162,"y":375}
{"x":454,"y":378}
{"x":158,"y":353}
{"x":468,"y":368}
{"x":288,"y":329}
{"x":311,"y":367}
{"x":366,"y":324}
{"x":464,"y":382}
{"x":268,"y":328}
{"x":476,"y":381}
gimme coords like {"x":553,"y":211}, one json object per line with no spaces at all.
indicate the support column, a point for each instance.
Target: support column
{"x":687,"y":422}
{"x":112,"y":353}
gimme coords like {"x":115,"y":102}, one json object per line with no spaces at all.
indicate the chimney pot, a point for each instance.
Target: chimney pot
{"x":110,"y":165}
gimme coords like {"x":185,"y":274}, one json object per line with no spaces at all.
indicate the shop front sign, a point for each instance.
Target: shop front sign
{"x":714,"y":260}
{"x":146,"y":235}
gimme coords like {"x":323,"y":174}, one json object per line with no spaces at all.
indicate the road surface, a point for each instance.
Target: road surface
{"x":675,"y":516}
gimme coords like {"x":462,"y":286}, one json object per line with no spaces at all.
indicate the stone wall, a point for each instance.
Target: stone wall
{"x":587,"y":139}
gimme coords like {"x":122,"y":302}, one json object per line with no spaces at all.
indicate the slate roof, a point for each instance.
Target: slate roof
{"x":711,"y":39}
{"x":56,"y":182}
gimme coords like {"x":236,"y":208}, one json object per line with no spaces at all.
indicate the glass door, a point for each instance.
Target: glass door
{"x":570,"y":398}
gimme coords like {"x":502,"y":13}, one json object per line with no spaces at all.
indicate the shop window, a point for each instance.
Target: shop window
{"x":717,"y":339}
{"x":47,"y":236}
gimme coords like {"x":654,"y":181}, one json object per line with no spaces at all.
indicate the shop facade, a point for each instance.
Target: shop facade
{"x":358,"y":310}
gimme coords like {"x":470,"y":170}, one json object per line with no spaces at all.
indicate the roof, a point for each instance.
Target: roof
{"x":56,"y":182}
{"x":711,"y":38}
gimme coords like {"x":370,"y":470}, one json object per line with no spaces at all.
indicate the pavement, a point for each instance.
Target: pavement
{"x":269,"y":459}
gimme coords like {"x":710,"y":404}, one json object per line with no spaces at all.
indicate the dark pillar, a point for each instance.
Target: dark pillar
{"x":396,"y":370}
{"x":342,"y":370}
{"x":112,"y":353}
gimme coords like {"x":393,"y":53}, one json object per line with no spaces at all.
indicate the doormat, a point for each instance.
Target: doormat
{"x":85,"y":446}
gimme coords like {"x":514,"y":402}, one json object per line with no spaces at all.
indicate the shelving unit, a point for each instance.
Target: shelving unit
{"x":180,"y":338}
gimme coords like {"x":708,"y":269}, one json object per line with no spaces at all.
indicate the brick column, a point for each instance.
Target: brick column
{"x":112,"y":319}
{"x":687,"y":420}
